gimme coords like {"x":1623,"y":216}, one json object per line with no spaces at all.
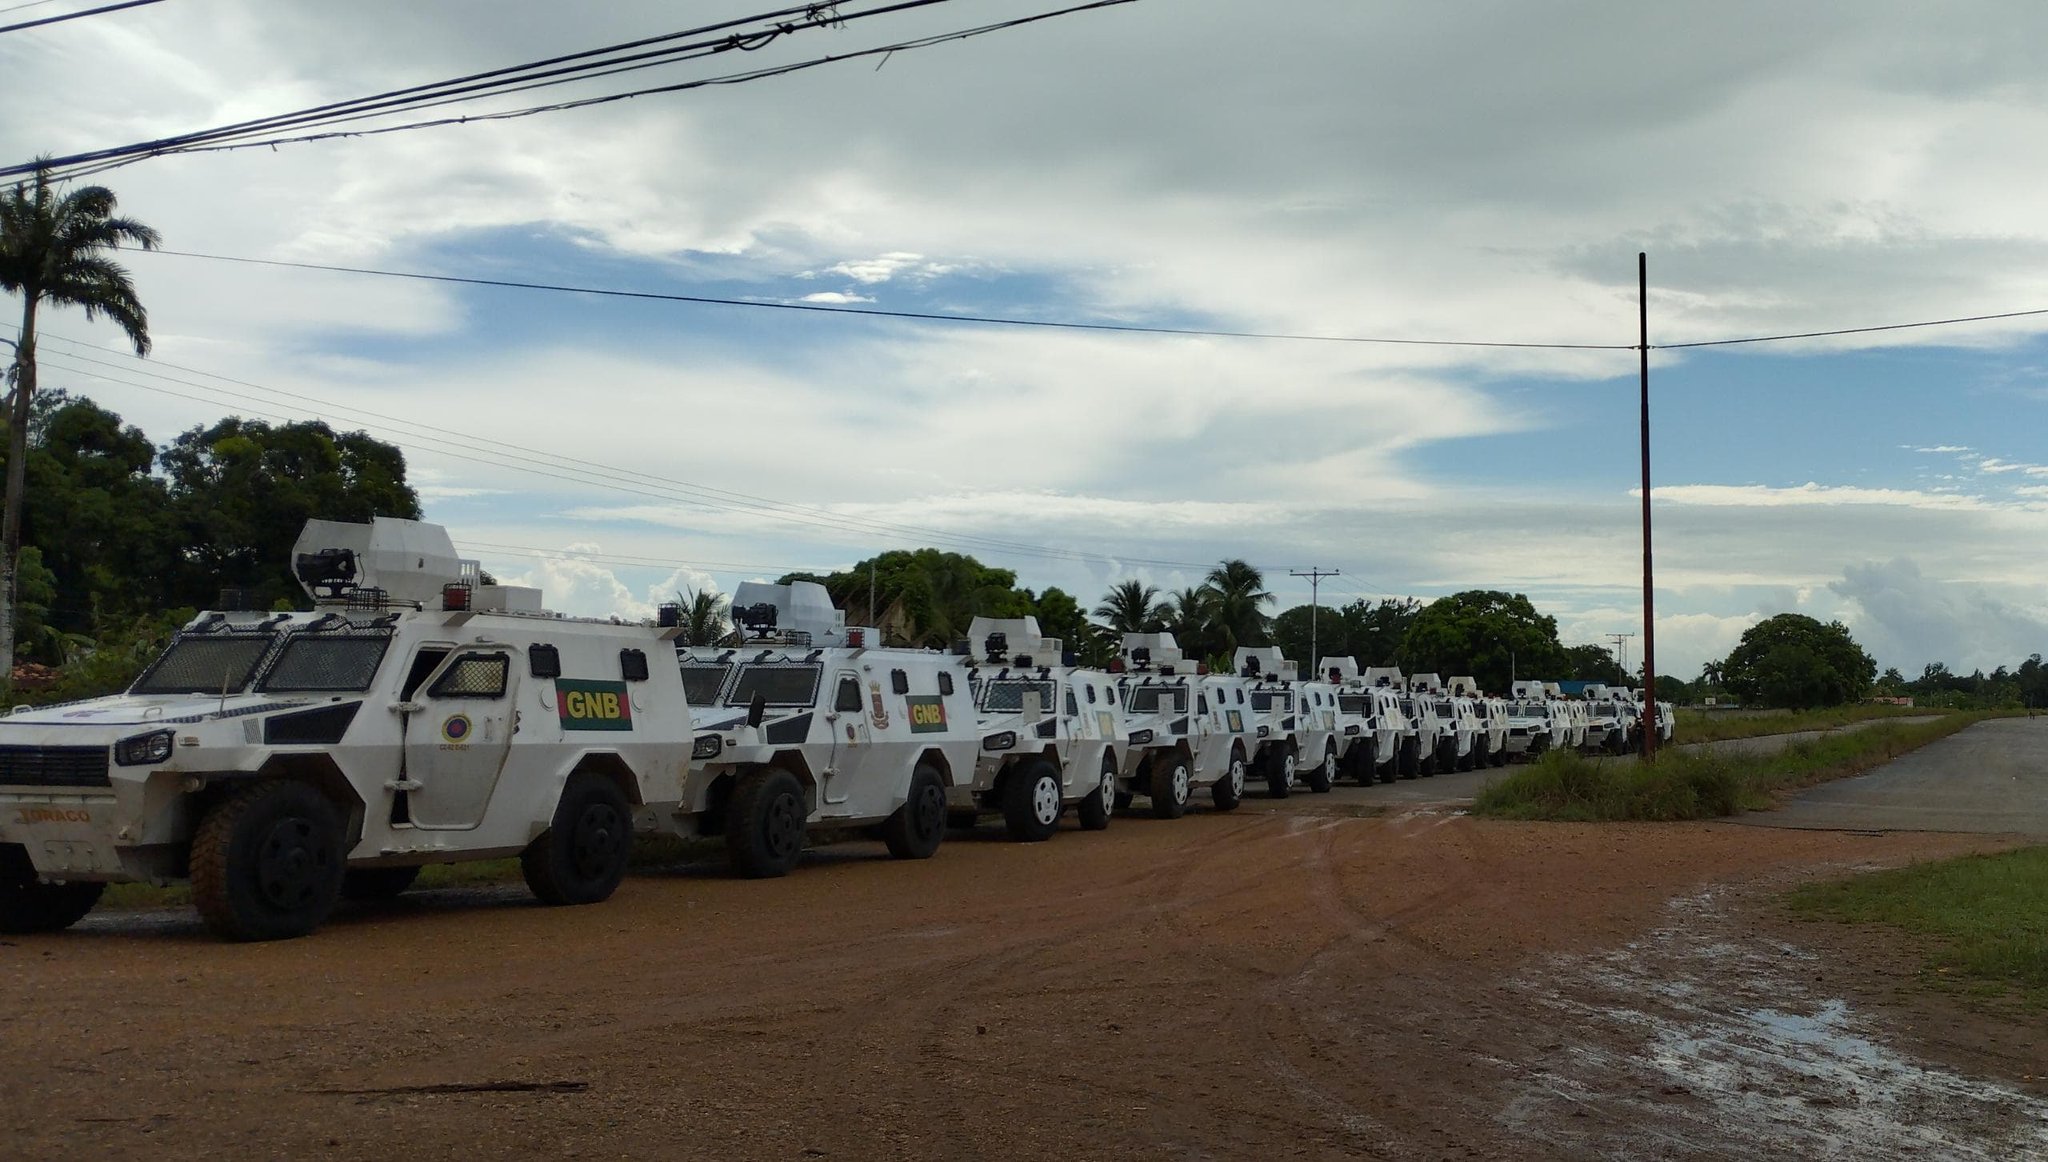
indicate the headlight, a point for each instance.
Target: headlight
{"x":144,"y":749}
{"x":707,"y":747}
{"x":1140,"y":737}
{"x":1003,"y":741}
{"x":1264,"y":731}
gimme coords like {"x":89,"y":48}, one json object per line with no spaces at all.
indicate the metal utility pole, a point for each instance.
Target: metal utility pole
{"x":1315,"y":581}
{"x":1649,"y":592}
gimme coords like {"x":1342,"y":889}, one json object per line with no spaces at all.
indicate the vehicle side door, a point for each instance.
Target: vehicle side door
{"x":852,"y":736}
{"x":457,"y":739}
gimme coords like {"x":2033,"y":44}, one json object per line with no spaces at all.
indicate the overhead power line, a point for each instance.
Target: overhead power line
{"x":879,"y":312}
{"x":59,"y":19}
{"x":1848,"y":331}
{"x":276,"y":130}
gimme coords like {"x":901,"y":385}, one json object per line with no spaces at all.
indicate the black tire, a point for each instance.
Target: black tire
{"x":581,"y":857}
{"x":1470,"y":758}
{"x":267,"y":861}
{"x":1278,"y":783}
{"x":1171,"y":788}
{"x":1228,"y":791}
{"x":1425,"y":763}
{"x":29,"y":905}
{"x":1095,"y":810}
{"x":915,"y":830}
{"x":1124,"y":799}
{"x":1482,"y":752}
{"x":372,"y":885}
{"x":1501,"y":756}
{"x":1321,"y":776}
{"x":1031,"y":801}
{"x":1409,"y":765}
{"x":1365,"y":764}
{"x":764,"y":825}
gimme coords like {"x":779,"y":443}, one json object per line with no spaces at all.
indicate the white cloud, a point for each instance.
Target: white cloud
{"x":836,"y":298}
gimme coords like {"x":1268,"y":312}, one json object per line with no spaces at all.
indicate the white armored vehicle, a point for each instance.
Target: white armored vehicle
{"x":1536,"y":722}
{"x":1294,"y":722}
{"x":1370,"y":727}
{"x":1489,"y":742}
{"x":1052,"y":734}
{"x":1457,"y":722}
{"x":1609,"y":722}
{"x":805,"y":723}
{"x":1423,"y":727}
{"x":281,"y":761}
{"x":1176,"y":740}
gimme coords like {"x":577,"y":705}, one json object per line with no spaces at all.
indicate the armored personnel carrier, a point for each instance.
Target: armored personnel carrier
{"x":282,"y":761}
{"x":1371,"y":730}
{"x":1052,"y":733}
{"x":1176,"y":745}
{"x":804,"y":724}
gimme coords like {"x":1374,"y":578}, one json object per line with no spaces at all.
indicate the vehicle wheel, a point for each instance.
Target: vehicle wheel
{"x":1323,"y":774}
{"x":1172,"y":786}
{"x":1500,"y":757}
{"x":29,"y":905}
{"x":371,"y":885}
{"x":1425,"y":766}
{"x":1482,"y":751}
{"x":1031,"y":801}
{"x":581,"y":857}
{"x":1468,"y":760}
{"x":1279,"y":765}
{"x":764,"y":825}
{"x":1228,"y":791}
{"x":1410,"y":764}
{"x":1367,"y":763}
{"x":267,"y":862}
{"x":917,"y":828}
{"x":1094,"y":811}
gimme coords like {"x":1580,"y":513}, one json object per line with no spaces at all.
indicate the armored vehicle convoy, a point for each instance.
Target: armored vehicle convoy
{"x":804,"y":724}
{"x":282,"y":761}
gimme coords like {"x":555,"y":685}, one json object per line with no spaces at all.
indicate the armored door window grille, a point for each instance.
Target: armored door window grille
{"x":1006,"y":696}
{"x":473,"y":676}
{"x":848,"y":698}
{"x":703,"y":680}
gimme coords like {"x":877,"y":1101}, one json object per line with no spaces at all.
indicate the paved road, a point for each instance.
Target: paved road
{"x":1991,"y":778}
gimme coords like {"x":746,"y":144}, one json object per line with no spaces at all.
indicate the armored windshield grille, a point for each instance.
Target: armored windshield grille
{"x":778,"y":684}
{"x":1270,"y":700}
{"x":703,"y":680}
{"x":342,"y":663}
{"x":1007,"y":695}
{"x":1354,"y":703}
{"x":198,"y":665}
{"x":1529,"y":709}
{"x":54,"y":766}
{"x":1445,"y":710}
{"x":473,"y":676}
{"x":1151,"y":699}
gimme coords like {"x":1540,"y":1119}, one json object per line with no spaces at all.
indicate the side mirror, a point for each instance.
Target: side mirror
{"x":757,"y":709}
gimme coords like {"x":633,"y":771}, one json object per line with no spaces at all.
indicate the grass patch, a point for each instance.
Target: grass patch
{"x":1689,"y":784}
{"x":1983,"y":913}
{"x":1699,"y":726}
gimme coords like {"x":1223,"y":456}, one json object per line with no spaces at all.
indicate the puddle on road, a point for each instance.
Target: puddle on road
{"x":1687,"y":1042}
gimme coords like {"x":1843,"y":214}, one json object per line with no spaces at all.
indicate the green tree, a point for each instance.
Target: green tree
{"x":1486,"y":633}
{"x":1368,"y":632}
{"x":1794,"y":661}
{"x":242,"y":490}
{"x":1132,"y":607}
{"x":923,"y":597}
{"x":1190,"y":616}
{"x":1589,"y":663}
{"x":54,"y":250}
{"x":1238,"y":612}
{"x":1060,"y":616}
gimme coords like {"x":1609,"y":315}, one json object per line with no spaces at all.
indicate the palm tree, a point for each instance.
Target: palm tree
{"x":53,"y":249}
{"x":1240,"y":601}
{"x":704,"y":620}
{"x":1132,"y":607}
{"x":1190,"y":614}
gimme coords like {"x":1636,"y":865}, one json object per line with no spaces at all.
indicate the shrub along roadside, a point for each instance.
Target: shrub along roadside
{"x":1981,"y":913}
{"x":1696,"y":726}
{"x":1698,"y":784}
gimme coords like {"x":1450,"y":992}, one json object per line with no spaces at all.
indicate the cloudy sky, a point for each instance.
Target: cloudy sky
{"x":1479,"y":171}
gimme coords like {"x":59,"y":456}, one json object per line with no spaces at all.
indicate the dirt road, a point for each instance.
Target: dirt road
{"x":1288,"y":982}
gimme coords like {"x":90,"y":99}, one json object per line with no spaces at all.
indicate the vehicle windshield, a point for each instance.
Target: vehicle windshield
{"x":340,"y":663}
{"x":1529,"y":710}
{"x":1006,"y":695}
{"x":1355,"y":703}
{"x":1272,"y":700}
{"x":1446,"y":710}
{"x":1604,"y":709}
{"x":1156,"y":699}
{"x":778,"y":684}
{"x":703,"y":680}
{"x":213,"y":664}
